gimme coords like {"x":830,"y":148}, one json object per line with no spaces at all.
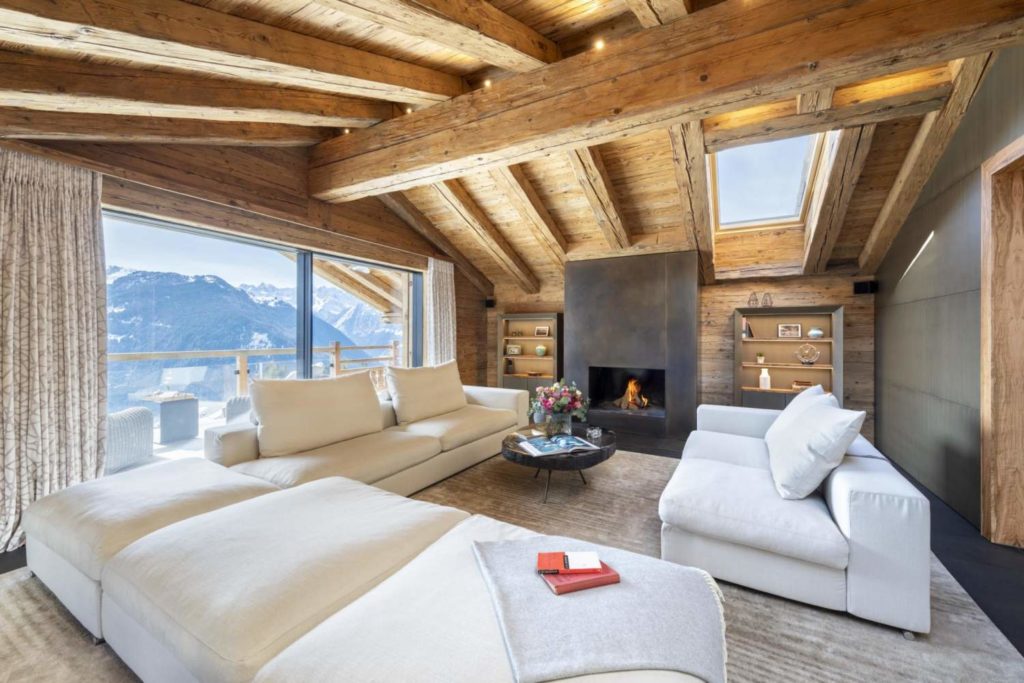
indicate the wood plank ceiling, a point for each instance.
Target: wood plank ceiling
{"x":295,"y":73}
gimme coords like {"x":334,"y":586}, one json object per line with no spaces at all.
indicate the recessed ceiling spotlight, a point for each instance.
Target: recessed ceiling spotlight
{"x":346,"y":131}
{"x":408,"y":110}
{"x":487,"y":83}
{"x":599,"y":44}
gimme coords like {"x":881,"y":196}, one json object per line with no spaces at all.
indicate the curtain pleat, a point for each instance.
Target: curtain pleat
{"x":440,"y":311}
{"x":53,"y":333}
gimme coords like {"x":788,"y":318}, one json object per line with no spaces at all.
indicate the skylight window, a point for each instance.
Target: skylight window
{"x":764,"y":185}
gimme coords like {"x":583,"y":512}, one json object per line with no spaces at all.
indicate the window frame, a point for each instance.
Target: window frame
{"x":800,"y":221}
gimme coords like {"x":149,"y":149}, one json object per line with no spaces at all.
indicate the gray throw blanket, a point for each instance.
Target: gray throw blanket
{"x":660,"y":616}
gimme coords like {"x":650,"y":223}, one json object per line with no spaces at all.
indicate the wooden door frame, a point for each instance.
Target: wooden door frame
{"x":1002,"y":358}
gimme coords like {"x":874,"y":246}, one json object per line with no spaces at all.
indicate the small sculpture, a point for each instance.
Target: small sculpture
{"x":807,"y":354}
{"x":767,"y":302}
{"x":752,"y":300}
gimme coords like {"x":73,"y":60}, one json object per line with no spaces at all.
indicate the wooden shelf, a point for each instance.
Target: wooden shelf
{"x":524,"y":357}
{"x":802,"y":340}
{"x":529,"y":338}
{"x":791,"y":366}
{"x":772,"y":391}
{"x":523,"y":374}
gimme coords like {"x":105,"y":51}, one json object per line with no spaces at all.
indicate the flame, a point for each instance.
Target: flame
{"x":633,"y":398}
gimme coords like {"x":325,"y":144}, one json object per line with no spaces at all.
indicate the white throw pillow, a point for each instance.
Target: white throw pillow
{"x":803,"y":454}
{"x":799,"y":404}
{"x":297,"y":415}
{"x":419,"y":393}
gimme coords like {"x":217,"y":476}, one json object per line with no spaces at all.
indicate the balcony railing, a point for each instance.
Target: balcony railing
{"x":385,"y":354}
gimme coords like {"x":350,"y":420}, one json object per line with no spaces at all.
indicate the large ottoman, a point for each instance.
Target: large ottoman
{"x":432,"y":621}
{"x":73,"y":533}
{"x":213,"y":598}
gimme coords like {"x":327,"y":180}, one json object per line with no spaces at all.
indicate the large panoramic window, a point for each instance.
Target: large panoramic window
{"x":764,"y":185}
{"x":194,"y":317}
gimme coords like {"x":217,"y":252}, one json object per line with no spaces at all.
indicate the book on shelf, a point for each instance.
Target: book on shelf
{"x":560,"y":584}
{"x":581,"y":562}
{"x":560,"y":444}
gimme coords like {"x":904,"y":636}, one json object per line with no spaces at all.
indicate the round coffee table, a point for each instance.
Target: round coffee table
{"x":513,"y":451}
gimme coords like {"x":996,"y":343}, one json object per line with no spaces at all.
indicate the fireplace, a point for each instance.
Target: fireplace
{"x":634,"y":392}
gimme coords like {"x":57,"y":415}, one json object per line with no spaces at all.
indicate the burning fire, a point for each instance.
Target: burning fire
{"x":633,"y":399}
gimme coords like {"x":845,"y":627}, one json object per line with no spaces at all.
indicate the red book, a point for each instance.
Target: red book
{"x":568,"y":583}
{"x":585,"y":562}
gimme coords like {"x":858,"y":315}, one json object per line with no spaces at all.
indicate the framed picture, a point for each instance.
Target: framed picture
{"x":542,"y":331}
{"x":513,"y":350}
{"x":790,"y":331}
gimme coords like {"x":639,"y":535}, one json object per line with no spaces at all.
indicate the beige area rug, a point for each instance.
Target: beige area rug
{"x":770,"y":639}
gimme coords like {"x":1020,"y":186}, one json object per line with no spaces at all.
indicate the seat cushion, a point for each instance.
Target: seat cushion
{"x":297,"y":415}
{"x":740,"y":505}
{"x":227,"y":591}
{"x":367,"y":459}
{"x":731,"y":448}
{"x":419,"y":393}
{"x":89,"y":523}
{"x":464,"y":425}
{"x":432,"y":621}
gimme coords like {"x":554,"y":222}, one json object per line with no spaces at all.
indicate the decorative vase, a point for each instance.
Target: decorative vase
{"x":765,"y":380}
{"x":558,"y":423}
{"x":538,"y":417}
{"x":760,"y":359}
{"x":541,"y":350}
{"x":815,"y":333}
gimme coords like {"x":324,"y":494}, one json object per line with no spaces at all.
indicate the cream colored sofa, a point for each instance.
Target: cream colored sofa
{"x":430,"y":428}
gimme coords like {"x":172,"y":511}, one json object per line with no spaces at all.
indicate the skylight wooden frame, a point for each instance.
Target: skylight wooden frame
{"x":800,"y":221}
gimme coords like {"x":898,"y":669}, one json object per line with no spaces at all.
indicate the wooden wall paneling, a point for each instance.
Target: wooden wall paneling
{"x":471,"y":339}
{"x":691,"y":168}
{"x":473,"y":27}
{"x":597,"y":188}
{"x":848,"y":150}
{"x":459,"y":202}
{"x":595,"y":97}
{"x":163,"y":33}
{"x":770,"y":252}
{"x":717,"y":337}
{"x":1002,"y":354}
{"x":48,"y":84}
{"x":933,"y":136}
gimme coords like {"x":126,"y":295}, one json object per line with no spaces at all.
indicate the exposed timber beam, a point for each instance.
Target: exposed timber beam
{"x":691,"y":170}
{"x":905,"y":95}
{"x":351,"y":281}
{"x":846,"y":153}
{"x":182,"y":36}
{"x":931,"y":140}
{"x":597,"y":188}
{"x":403,"y":207}
{"x":470,"y":27}
{"x":64,"y":85}
{"x":518,"y":190}
{"x":737,"y":53}
{"x":657,"y":12}
{"x":458,"y":200}
{"x":27,"y":124}
{"x":815,"y":100}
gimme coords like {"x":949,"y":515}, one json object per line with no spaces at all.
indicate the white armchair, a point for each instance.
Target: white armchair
{"x":883,"y":518}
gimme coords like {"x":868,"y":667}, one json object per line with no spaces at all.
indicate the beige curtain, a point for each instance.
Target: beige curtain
{"x":53,"y":337}
{"x":440,"y":311}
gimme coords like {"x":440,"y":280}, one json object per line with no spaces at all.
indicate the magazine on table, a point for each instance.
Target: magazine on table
{"x":559,"y":444}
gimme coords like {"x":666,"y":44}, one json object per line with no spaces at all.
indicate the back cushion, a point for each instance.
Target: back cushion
{"x":298,"y":415}
{"x":797,"y":405}
{"x":419,"y":393}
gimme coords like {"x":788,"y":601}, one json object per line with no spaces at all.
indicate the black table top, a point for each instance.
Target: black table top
{"x":578,"y":460}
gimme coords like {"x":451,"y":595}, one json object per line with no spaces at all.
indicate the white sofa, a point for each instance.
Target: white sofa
{"x":860,"y":544}
{"x":401,"y":458}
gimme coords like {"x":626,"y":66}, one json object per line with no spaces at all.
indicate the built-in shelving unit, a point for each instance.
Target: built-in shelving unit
{"x":757,"y":332}
{"x":528,"y":369}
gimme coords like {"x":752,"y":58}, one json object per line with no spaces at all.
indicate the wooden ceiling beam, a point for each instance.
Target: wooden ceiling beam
{"x":459,"y":201}
{"x":906,"y":95}
{"x":657,"y":12}
{"x":815,"y":100}
{"x":63,"y":85}
{"x":846,"y":153}
{"x":26,"y":124}
{"x":517,"y":189}
{"x":178,"y":35}
{"x":351,"y":281}
{"x":753,"y":52}
{"x":470,"y":27}
{"x":588,"y":167}
{"x":691,"y":170}
{"x":408,"y":212}
{"x":932,"y":137}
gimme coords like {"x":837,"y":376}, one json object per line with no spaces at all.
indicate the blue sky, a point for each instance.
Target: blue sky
{"x":140,"y":246}
{"x":762,"y":181}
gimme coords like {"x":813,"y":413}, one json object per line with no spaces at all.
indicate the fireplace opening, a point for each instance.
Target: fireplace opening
{"x":628,"y":391}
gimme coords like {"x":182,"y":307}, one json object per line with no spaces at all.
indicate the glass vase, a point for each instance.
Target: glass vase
{"x":558,"y":423}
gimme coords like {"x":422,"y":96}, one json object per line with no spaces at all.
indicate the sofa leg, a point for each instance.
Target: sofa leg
{"x":909,"y":635}
{"x":96,"y":640}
